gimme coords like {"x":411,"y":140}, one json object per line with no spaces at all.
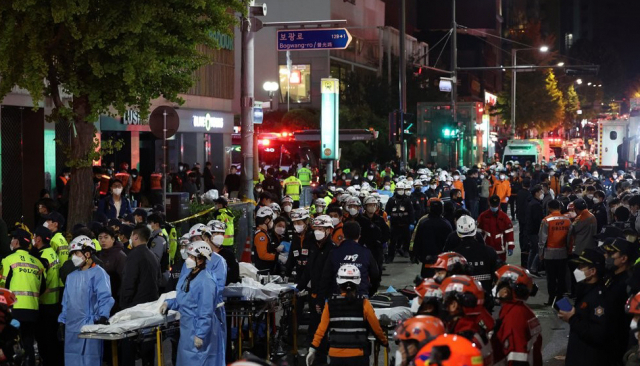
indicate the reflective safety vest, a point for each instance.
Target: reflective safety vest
{"x":60,"y":246}
{"x":136,"y":185}
{"x":305,"y":175}
{"x":173,"y":241}
{"x":225,"y":215}
{"x":558,"y":227}
{"x":123,"y":177}
{"x":64,"y":180}
{"x":347,"y":326}
{"x":292,"y":187}
{"x":53,"y":294}
{"x":156,"y":181}
{"x":97,"y":244}
{"x":104,"y":184}
{"x":26,"y":277}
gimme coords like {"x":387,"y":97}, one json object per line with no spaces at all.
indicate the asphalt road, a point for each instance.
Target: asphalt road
{"x":555,"y":332}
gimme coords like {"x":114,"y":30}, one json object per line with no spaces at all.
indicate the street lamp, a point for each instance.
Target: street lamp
{"x":579,"y":81}
{"x":270,"y":87}
{"x":560,"y":64}
{"x":514,"y":61}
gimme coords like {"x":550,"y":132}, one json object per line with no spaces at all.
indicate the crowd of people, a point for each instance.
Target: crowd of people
{"x":576,"y":225}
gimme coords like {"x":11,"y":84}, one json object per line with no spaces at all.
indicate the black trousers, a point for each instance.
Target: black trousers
{"x":523,"y":240}
{"x":28,"y":335}
{"x":504,"y":207}
{"x":484,"y":204}
{"x":556,"y":276}
{"x":350,"y":361}
{"x":314,"y":322}
{"x":50,"y":349}
{"x":512,"y":205}
{"x":400,"y":239}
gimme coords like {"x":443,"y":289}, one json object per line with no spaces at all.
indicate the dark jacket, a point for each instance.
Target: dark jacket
{"x":482,"y":259}
{"x":313,"y":271}
{"x":374,"y":232}
{"x":351,"y":252}
{"x":453,"y":240}
{"x":208,"y":179}
{"x":600,"y":212}
{"x":431,"y":235}
{"x":233,"y":268}
{"x":107,"y":207}
{"x":114,"y":261}
{"x":471,"y":190}
{"x":588,"y":327}
{"x":140,"y":278}
{"x":618,"y":320}
{"x":534,"y":217}
{"x":273,"y":186}
{"x":524,"y":196}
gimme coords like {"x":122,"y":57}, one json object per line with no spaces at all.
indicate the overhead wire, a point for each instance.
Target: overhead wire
{"x":443,"y":47}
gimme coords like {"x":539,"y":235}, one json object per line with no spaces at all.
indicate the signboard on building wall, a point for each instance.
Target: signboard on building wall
{"x":329,"y":118}
{"x":195,"y":120}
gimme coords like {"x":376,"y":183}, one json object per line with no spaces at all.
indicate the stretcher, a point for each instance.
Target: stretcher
{"x":388,"y":319}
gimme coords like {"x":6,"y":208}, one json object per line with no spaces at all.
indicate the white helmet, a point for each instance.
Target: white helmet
{"x":80,"y":242}
{"x":365,"y":185}
{"x":184,"y":239}
{"x":401,"y":185}
{"x":339,"y":190}
{"x":353,"y":201}
{"x":343,"y":198}
{"x":299,"y":214}
{"x":421,"y":171}
{"x":466,"y":226}
{"x":320,"y":202}
{"x":198,"y":230}
{"x":402,"y":177}
{"x":287,"y":199}
{"x":369,"y":200}
{"x":275,"y":207}
{"x":265,"y":211}
{"x":322,"y":221}
{"x":352,"y":191}
{"x":216,"y":226}
{"x":363,"y":193}
{"x":198,"y":248}
{"x":348,"y":273}
{"x":417,"y":183}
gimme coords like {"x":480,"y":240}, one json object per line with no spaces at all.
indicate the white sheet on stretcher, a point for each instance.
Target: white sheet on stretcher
{"x":250,"y":289}
{"x":138,"y":317}
{"x":395,"y":314}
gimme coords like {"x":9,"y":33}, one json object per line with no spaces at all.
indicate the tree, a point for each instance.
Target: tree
{"x":572,"y":105}
{"x":117,"y":54}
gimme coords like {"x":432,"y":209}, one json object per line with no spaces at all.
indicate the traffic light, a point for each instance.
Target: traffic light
{"x":450,"y":133}
{"x":394,"y":127}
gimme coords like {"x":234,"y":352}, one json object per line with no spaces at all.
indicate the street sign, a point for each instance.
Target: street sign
{"x":157,"y":121}
{"x":258,"y":113}
{"x":313,"y":39}
{"x":329,"y":118}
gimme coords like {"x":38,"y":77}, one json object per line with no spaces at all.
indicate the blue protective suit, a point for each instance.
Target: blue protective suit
{"x":86,"y":298}
{"x":217,"y":268}
{"x":198,"y":319}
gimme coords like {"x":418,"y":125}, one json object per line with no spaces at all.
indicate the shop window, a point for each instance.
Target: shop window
{"x":297,"y":82}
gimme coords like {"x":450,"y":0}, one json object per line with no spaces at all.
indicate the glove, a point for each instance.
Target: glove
{"x":506,"y":199}
{"x":61,"y":332}
{"x":197,"y":342}
{"x":102,"y":320}
{"x":311,"y":356}
{"x":280,"y":248}
{"x":164,"y":308}
{"x":510,"y":252}
{"x":411,"y":227}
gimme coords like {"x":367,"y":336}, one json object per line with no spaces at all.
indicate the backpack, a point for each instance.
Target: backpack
{"x":389,"y":300}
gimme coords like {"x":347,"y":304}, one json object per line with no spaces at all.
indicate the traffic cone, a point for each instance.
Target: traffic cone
{"x":246,"y":253}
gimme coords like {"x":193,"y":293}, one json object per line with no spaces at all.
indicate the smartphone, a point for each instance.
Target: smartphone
{"x":563,"y":304}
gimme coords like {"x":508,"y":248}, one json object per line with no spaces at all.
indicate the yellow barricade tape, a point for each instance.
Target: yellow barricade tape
{"x":202,"y":213}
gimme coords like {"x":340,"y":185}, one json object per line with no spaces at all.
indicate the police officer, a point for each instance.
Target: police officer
{"x":418,"y":200}
{"x":224,"y":214}
{"x":272,"y":184}
{"x":599,"y":209}
{"x":55,"y":222}
{"x":588,"y":318}
{"x":23,"y":275}
{"x":293,"y":188}
{"x":159,"y":245}
{"x":401,"y":215}
{"x":304,"y":176}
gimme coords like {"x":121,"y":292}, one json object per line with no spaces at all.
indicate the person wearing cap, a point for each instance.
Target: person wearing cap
{"x":23,"y":274}
{"x":124,"y":235}
{"x":272,"y":184}
{"x":554,"y":250}
{"x":433,"y":191}
{"x":376,"y":230}
{"x":583,"y":228}
{"x":418,"y":199}
{"x":589,"y":316}
{"x":401,"y":217}
{"x":50,"y":349}
{"x":55,"y":222}
{"x":599,"y":209}
{"x":496,"y":229}
{"x":620,"y":255}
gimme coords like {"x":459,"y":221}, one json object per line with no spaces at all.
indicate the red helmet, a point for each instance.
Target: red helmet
{"x":447,"y":261}
{"x":633,"y":304}
{"x":7,"y":297}
{"x":449,"y":350}
{"x":518,"y":279}
{"x":421,"y":328}
{"x":429,"y":288}
{"x":464,"y":289}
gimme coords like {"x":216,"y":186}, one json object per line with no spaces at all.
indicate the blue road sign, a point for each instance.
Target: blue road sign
{"x":313,"y":39}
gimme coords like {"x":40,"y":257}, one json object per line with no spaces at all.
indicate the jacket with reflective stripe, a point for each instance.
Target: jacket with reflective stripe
{"x":53,"y":293}
{"x":552,"y":237}
{"x":22,"y":274}
{"x":60,"y":246}
{"x":225,"y":215}
{"x":292,"y":187}
{"x":305,"y":175}
{"x":497,"y":231}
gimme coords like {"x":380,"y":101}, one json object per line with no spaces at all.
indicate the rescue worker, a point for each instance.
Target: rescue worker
{"x":588,"y":318}
{"x":518,"y":337}
{"x":50,"y":350}
{"x":429,"y":300}
{"x":159,"y":245}
{"x":450,"y":350}
{"x":599,"y":209}
{"x":124,"y":177}
{"x":414,"y":333}
{"x":23,"y":274}
{"x":336,"y":219}
{"x":554,"y":250}
{"x":502,"y":189}
{"x":11,"y":349}
{"x":55,"y":222}
{"x":465,"y":314}
{"x":304,"y":177}
{"x":136,"y":188}
{"x":418,"y":200}
{"x":300,"y":244}
{"x":374,"y":230}
{"x":293,"y":188}
{"x":287,"y":208}
{"x":264,"y":251}
{"x":215,"y":238}
{"x":432,"y":190}
{"x":156,"y":188}
{"x":402,"y":219}
{"x":496,"y":229}
{"x":195,"y":300}
{"x":86,"y":300}
{"x":226,"y":216}
{"x":446,"y":265}
{"x":457,"y":183}
{"x":346,"y":319}
{"x":318,"y":207}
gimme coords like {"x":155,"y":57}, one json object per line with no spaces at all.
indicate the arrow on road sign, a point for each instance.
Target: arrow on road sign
{"x":313,"y":39}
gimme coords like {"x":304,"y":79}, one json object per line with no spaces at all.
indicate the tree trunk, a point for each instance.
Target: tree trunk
{"x":82,"y":188}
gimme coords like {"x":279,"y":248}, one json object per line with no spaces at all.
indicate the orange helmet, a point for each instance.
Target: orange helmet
{"x":421,"y":328}
{"x":449,"y":350}
{"x":464,"y":289}
{"x":633,"y":304}
{"x":447,"y":261}
{"x":433,"y":199}
{"x":7,"y":297}
{"x":518,"y":279}
{"x":429,"y":288}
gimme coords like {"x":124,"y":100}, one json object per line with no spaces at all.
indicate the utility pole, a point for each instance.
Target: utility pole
{"x":454,"y":69}
{"x":513,"y":93}
{"x":402,"y":67}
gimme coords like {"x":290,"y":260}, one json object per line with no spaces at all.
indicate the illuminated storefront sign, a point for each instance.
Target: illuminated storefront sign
{"x":207,"y":122}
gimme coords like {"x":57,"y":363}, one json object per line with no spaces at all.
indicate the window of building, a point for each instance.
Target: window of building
{"x":296,"y":84}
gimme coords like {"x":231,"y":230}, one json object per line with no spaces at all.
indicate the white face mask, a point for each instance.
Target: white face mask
{"x":481,"y":176}
{"x":353,"y":211}
{"x":356,"y":177}
{"x":275,"y":215}
{"x":370,"y":177}
{"x":398,"y":355}
{"x":299,"y":228}
{"x":633,"y":327}
{"x":579,"y":275}
{"x":149,"y":226}
{"x":433,"y":186}
{"x":387,"y":188}
{"x":540,"y":196}
{"x":190,"y":263}
{"x":502,"y":176}
{"x":319,"y":234}
{"x":332,"y":188}
{"x":117,"y":191}
{"x":77,"y":261}
{"x":279,"y":230}
{"x":456,"y":177}
{"x":218,"y":239}
{"x":414,"y":309}
{"x":596,"y":200}
{"x":335,"y":221}
{"x":46,"y":224}
{"x":287,"y":208}
{"x":400,"y":192}
{"x":183,"y":253}
{"x":371,"y":210}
